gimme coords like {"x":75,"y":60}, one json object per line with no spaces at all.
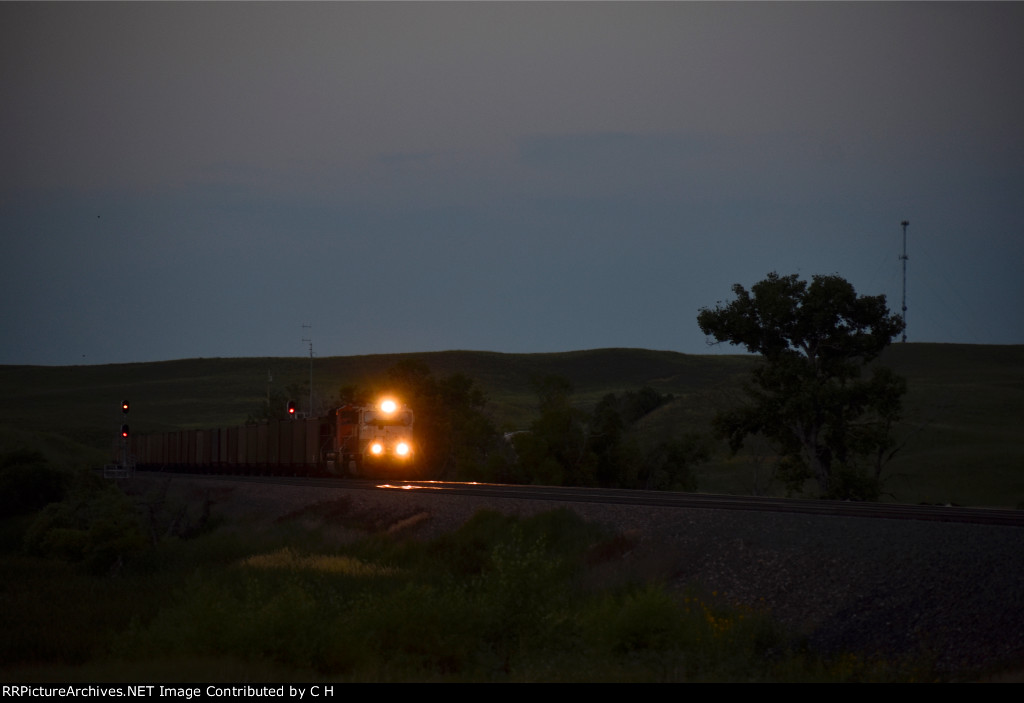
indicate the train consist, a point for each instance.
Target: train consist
{"x":353,"y":440}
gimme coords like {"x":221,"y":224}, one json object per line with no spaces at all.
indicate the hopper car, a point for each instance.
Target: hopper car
{"x":353,"y":440}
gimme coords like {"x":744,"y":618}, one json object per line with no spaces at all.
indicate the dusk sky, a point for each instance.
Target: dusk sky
{"x":200,"y":180}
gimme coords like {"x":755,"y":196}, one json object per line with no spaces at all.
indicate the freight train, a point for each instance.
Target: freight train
{"x":353,"y":440}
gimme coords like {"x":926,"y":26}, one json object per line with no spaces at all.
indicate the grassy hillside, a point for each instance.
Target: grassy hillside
{"x":964,"y":429}
{"x":965,"y":408}
{"x":83,"y":402}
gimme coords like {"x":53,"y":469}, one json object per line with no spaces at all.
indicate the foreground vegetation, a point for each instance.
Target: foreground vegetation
{"x":174,"y":595}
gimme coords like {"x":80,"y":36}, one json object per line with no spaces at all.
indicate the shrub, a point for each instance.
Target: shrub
{"x":95,"y":525}
{"x":28,"y":482}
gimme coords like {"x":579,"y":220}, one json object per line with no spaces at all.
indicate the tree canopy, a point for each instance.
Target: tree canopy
{"x":453,"y":433}
{"x":808,"y":395}
{"x":567,"y":445}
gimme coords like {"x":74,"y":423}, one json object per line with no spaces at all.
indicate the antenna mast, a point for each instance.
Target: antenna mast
{"x":903,"y":258}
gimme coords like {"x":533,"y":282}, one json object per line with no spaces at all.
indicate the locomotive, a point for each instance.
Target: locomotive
{"x":353,"y":440}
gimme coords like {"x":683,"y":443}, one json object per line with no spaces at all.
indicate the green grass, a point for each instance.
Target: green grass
{"x":545,"y":598}
{"x":964,"y":408}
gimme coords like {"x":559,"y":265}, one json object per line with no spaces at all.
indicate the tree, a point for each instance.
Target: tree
{"x":807,"y":395}
{"x":554,"y":451}
{"x":453,"y":433}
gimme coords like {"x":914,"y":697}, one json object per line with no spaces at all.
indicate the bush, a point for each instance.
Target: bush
{"x":28,"y":482}
{"x":95,"y":525}
{"x":670,"y":465}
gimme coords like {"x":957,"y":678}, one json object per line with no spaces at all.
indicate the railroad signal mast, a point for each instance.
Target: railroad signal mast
{"x":124,"y":431}
{"x":903,"y":258}
{"x":124,"y":465}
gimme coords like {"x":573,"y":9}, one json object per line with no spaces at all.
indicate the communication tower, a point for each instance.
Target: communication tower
{"x":903,"y":258}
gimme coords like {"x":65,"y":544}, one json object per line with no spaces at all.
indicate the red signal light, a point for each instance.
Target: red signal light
{"x":124,"y":430}
{"x":124,"y":406}
{"x":291,"y":408}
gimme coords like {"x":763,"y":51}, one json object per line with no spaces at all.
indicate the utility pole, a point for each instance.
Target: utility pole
{"x":310,"y":340}
{"x":903,"y":258}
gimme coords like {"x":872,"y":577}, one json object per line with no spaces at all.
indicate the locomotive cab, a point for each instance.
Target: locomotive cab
{"x":373,"y":439}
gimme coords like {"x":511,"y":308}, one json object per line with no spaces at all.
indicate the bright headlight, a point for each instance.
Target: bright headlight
{"x":388,"y":406}
{"x":402,"y":449}
{"x":377,"y":448}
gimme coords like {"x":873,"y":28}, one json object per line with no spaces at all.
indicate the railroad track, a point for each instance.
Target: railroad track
{"x":665,"y":499}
